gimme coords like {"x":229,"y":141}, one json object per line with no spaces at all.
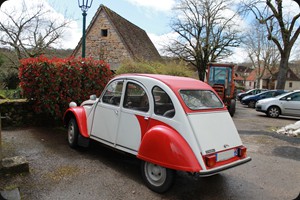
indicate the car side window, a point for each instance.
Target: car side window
{"x":163,"y":104}
{"x":295,"y":97}
{"x":113,"y":93}
{"x":136,"y":98}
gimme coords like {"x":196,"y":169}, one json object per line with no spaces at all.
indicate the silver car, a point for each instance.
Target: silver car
{"x":285,"y":104}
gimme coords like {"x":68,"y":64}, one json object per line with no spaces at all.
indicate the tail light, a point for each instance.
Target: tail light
{"x":242,"y":152}
{"x":211,"y":160}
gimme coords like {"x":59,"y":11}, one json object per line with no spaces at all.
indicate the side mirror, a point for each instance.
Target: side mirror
{"x":289,"y":99}
{"x":93,"y":97}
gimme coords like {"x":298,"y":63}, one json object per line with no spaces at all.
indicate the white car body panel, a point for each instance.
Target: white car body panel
{"x":105,"y":123}
{"x":129,"y":133}
{"x":214,"y":131}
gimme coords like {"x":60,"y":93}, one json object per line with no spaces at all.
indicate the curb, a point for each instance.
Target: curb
{"x":14,"y":165}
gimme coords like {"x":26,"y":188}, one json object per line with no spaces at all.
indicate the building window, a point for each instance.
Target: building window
{"x":290,"y":84}
{"x":104,"y":32}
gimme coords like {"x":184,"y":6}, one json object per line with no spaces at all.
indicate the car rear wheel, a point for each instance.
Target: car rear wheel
{"x":273,"y":111}
{"x":73,"y":133}
{"x":251,"y":104}
{"x":157,"y":178}
{"x":231,"y":108}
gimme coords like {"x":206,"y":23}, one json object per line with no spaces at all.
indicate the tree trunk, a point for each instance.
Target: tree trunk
{"x":201,"y":73}
{"x":283,"y":69}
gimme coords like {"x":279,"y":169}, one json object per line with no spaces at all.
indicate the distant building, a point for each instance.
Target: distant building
{"x":241,"y":74}
{"x":248,"y":78}
{"x":112,"y":38}
{"x":269,"y":81}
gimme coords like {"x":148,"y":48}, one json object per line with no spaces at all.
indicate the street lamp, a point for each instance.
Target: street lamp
{"x":84,"y":5}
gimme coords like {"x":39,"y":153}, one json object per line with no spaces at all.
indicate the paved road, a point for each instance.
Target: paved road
{"x":58,"y":172}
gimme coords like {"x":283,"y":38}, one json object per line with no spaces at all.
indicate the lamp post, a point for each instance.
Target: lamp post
{"x":84,"y":5}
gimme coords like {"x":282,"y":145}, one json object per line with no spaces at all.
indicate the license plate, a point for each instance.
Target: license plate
{"x":225,"y":155}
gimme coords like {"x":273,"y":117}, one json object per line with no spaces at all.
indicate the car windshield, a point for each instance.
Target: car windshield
{"x":200,"y":99}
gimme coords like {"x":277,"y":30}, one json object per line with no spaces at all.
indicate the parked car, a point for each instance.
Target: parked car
{"x":285,"y":104}
{"x":241,"y":95}
{"x":169,"y":123}
{"x":252,"y":99}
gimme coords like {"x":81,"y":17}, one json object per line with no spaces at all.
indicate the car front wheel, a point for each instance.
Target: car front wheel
{"x":157,"y":178}
{"x":73,"y":133}
{"x":273,"y":111}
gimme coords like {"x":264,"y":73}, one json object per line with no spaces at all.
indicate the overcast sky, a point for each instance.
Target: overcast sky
{"x":151,"y":15}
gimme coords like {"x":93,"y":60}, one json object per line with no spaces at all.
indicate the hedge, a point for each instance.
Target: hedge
{"x":52,"y":83}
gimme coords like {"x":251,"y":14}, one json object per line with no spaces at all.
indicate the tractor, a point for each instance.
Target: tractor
{"x":220,"y":76}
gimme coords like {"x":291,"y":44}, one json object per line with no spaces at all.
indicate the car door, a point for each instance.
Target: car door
{"x":107,"y":114}
{"x":291,"y":104}
{"x":134,"y":117}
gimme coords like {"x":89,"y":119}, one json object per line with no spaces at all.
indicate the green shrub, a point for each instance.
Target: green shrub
{"x":169,"y":68}
{"x":175,"y":69}
{"x":135,"y":67}
{"x":52,"y":83}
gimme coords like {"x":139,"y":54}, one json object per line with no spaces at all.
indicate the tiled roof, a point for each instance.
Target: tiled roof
{"x":291,"y":76}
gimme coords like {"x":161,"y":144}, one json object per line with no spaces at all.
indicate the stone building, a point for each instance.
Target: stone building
{"x":112,"y":38}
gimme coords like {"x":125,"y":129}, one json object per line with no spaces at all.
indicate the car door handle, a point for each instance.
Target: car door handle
{"x":116,"y":112}
{"x":146,"y":118}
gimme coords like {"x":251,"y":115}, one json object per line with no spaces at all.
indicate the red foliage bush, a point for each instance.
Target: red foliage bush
{"x":52,"y":83}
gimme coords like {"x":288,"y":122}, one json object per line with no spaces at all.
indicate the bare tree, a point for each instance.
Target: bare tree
{"x":30,"y":32}
{"x":205,"y":32}
{"x":262,"y":53}
{"x":282,"y":29}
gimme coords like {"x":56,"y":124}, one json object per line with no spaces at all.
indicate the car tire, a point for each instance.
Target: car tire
{"x":73,"y":133}
{"x":251,"y":104}
{"x":157,"y":178}
{"x":232,"y":107}
{"x":273,"y":111}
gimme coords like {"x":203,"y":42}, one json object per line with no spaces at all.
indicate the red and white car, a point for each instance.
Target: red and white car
{"x":169,"y":123}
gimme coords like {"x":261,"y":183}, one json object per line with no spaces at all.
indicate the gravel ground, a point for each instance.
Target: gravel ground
{"x":58,"y":172}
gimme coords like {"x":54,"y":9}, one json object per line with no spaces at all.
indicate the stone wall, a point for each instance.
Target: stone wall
{"x":20,"y":113}
{"x":109,"y":48}
{"x":15,"y":112}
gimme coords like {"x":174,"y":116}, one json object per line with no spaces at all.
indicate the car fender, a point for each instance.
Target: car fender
{"x":164,"y":146}
{"x":80,"y":116}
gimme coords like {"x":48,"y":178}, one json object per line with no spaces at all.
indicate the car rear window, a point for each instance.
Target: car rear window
{"x":200,"y":99}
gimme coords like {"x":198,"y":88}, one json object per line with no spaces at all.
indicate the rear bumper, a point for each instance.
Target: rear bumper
{"x":224,"y":167}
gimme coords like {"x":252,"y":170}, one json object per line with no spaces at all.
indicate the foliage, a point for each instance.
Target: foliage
{"x":10,"y":80}
{"x":129,"y":66}
{"x":10,"y":94}
{"x":176,"y":69}
{"x":52,"y":83}
{"x":168,"y":67}
{"x":1,"y":59}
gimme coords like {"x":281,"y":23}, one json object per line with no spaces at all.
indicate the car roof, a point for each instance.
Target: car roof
{"x":174,"y":82}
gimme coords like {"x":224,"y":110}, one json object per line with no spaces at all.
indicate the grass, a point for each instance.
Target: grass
{"x":8,"y":94}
